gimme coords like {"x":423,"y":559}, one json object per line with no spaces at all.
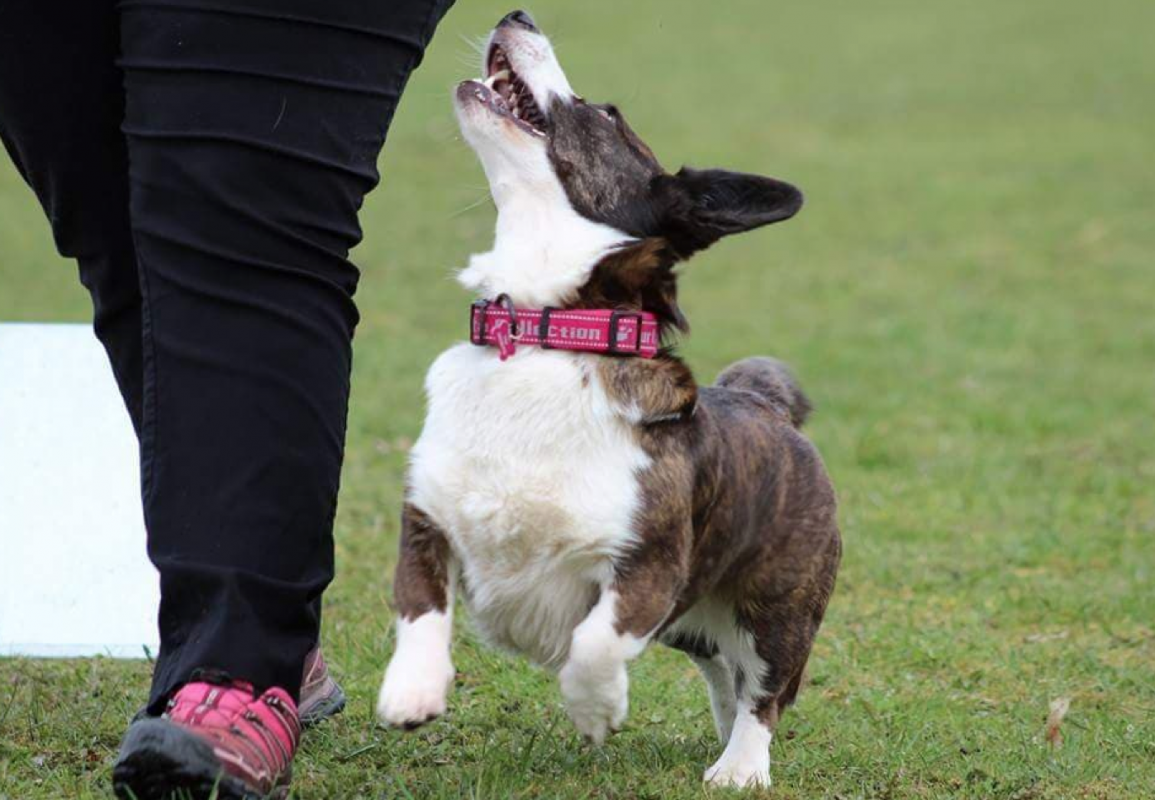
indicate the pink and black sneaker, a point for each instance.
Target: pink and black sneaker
{"x":214,"y":736}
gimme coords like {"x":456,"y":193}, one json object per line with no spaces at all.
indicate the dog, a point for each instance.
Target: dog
{"x":572,"y":482}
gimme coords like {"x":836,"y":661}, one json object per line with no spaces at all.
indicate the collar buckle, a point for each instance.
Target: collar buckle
{"x":615,"y":322}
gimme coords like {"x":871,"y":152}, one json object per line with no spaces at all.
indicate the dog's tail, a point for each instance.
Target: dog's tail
{"x":770,"y":379}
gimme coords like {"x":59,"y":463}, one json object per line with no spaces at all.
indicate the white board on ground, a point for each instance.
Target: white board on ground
{"x":74,"y":576}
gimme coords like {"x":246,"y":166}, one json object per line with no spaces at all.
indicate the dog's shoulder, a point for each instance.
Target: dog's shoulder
{"x":649,"y":391}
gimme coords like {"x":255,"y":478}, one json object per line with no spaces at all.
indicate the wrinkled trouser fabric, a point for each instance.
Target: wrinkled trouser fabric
{"x":204,"y":163}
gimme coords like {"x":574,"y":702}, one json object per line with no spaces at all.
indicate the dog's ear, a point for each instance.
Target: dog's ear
{"x":702,"y":206}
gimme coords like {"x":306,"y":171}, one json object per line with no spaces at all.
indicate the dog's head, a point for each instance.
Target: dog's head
{"x":586,"y":214}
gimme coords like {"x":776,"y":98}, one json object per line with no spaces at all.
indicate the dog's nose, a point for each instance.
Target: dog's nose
{"x":518,"y":19}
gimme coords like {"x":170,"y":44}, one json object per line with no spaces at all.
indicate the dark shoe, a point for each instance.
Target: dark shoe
{"x":213,"y":736}
{"x":321,"y":696}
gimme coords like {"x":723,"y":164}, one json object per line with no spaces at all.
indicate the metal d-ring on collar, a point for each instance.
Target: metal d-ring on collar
{"x":503,"y":301}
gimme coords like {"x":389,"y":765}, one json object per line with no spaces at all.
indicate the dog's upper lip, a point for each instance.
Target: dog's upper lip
{"x":495,"y":59}
{"x":508,"y":94}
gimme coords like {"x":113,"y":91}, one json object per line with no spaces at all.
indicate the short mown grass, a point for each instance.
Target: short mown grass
{"x":969,"y":297}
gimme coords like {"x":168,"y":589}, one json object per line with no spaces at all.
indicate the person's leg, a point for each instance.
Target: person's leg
{"x":252,"y":136}
{"x":253,"y":132}
{"x":61,"y":105}
{"x":61,"y":110}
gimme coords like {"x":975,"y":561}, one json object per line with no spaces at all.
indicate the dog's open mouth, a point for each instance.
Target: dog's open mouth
{"x":508,"y":95}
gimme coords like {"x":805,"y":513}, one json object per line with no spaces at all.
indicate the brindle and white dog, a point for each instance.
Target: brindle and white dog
{"x":586,"y":504}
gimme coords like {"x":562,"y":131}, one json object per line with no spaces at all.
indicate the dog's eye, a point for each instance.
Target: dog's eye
{"x":608,"y":111}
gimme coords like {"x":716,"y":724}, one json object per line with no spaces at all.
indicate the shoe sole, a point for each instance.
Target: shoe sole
{"x":321,"y":709}
{"x":158,"y":761}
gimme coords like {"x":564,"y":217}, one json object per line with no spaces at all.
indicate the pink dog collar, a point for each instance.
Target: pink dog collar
{"x":496,"y":323}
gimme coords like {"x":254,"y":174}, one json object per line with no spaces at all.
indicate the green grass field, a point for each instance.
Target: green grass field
{"x":969,"y":297}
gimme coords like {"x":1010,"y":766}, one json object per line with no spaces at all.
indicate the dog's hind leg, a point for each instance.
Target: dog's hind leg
{"x":746,"y":758}
{"x":420,"y":673}
{"x":717,"y":671}
{"x":778,"y":616}
{"x":720,"y":683}
{"x":762,"y":691}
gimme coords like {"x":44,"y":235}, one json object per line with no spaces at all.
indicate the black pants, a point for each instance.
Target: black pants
{"x":204,"y":163}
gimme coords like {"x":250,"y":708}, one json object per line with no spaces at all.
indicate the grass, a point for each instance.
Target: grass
{"x":967,"y":296}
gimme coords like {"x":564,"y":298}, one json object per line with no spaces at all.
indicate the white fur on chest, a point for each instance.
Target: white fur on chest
{"x":532,"y":474}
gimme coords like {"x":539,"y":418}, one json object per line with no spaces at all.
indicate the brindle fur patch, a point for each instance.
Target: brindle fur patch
{"x":738,"y":509}
{"x":659,"y":389}
{"x":637,"y":277}
{"x":651,"y":577}
{"x":421,"y":583}
{"x":605,"y":167}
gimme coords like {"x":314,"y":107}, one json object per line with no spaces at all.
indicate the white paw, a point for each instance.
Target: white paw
{"x":413,"y":693}
{"x":416,"y":687}
{"x":737,"y":774}
{"x":596,"y":699}
{"x":746,"y":759}
{"x":420,"y":673}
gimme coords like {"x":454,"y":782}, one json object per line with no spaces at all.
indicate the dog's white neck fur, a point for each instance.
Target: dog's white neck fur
{"x":543,"y":249}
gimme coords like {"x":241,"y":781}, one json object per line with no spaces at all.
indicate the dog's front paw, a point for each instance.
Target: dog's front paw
{"x":413,"y":693}
{"x":737,"y":773}
{"x":596,"y":699}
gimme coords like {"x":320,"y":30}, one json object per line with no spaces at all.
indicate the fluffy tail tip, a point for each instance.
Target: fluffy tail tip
{"x":769,"y":378}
